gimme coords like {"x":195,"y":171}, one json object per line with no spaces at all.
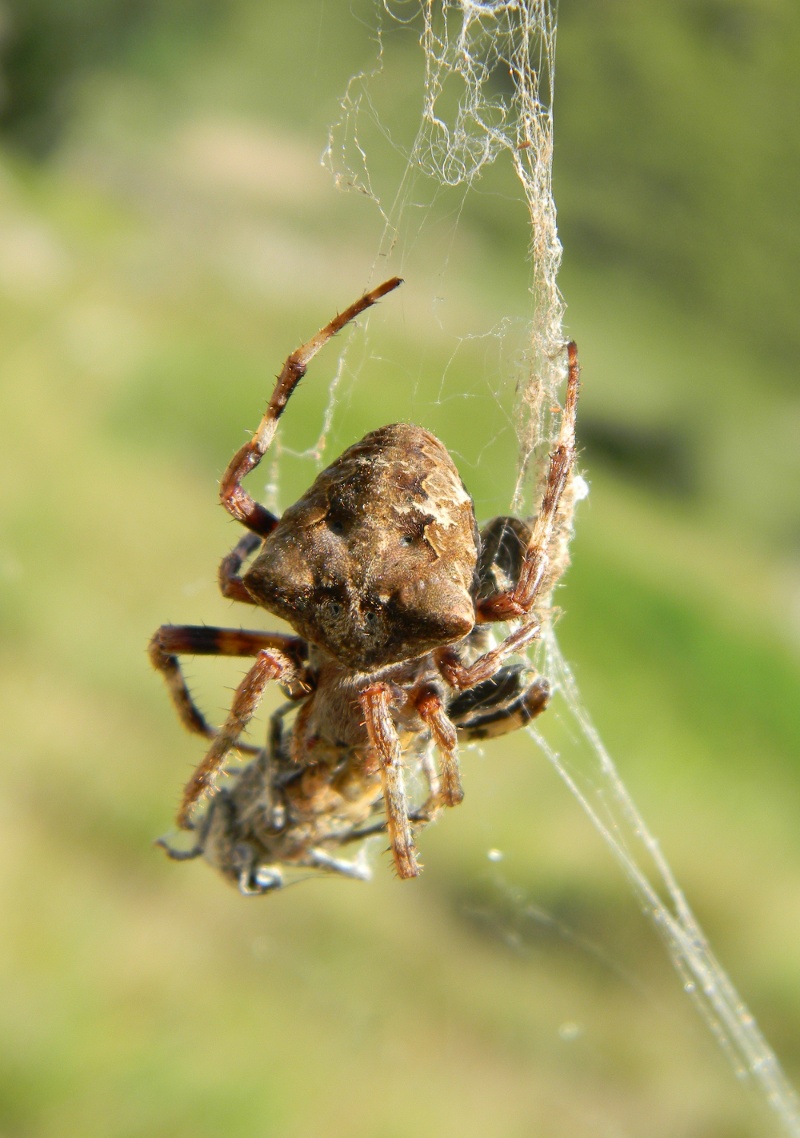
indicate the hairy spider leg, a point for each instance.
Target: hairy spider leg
{"x":237,"y":501}
{"x":376,"y":701}
{"x":537,"y":556}
{"x":431,"y":710}
{"x":519,"y":601}
{"x":173,"y":640}
{"x":230,"y":582}
{"x":269,"y":665}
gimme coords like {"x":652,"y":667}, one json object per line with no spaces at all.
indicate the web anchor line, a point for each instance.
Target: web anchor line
{"x":704,"y":979}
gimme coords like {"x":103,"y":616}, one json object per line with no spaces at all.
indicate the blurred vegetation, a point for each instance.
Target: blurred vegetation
{"x":49,"y":48}
{"x":166,"y":237}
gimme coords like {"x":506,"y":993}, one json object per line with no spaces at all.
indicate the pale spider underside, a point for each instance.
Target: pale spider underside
{"x":382,"y":573}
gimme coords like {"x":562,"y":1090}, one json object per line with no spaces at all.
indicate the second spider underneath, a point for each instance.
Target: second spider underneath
{"x":382,"y":573}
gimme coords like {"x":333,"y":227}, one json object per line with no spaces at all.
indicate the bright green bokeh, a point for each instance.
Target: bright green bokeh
{"x":156,"y":266}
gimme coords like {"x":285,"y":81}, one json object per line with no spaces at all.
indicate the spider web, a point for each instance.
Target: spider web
{"x":487,"y":99}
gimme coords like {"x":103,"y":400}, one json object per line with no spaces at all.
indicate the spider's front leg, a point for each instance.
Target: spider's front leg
{"x":269,"y":665}
{"x":234,"y":498}
{"x":376,"y":702}
{"x":520,"y":601}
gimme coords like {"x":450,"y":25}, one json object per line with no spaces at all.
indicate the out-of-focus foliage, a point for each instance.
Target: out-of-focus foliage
{"x":698,"y":136}
{"x":47,"y":47}
{"x":172,"y":240}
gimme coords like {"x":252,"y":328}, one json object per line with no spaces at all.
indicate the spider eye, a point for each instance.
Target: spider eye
{"x":407,"y":539}
{"x":335,"y":609}
{"x":336,"y":525}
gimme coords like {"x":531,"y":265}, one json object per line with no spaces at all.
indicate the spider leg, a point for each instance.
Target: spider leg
{"x":230,"y":582}
{"x":376,"y":701}
{"x":431,"y":710}
{"x":173,"y":640}
{"x":520,"y":600}
{"x":237,"y":501}
{"x":269,"y":665}
{"x":462,"y":677}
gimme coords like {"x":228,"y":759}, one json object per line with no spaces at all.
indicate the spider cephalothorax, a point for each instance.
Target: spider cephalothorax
{"x":381,"y":572}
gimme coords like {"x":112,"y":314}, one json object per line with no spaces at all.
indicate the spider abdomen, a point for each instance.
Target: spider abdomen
{"x":376,"y":562}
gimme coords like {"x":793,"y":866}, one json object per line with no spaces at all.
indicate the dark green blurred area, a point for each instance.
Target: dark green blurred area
{"x":166,"y":237}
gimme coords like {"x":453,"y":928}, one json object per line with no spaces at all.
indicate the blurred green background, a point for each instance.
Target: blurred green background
{"x":167,"y":236}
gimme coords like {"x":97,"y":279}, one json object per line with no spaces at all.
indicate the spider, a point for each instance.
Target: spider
{"x":389,"y":587}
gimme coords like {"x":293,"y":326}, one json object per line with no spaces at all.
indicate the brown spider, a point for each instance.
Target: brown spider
{"x":381,"y":571}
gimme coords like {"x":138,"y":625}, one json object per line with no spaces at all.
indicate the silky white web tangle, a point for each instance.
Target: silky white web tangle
{"x":488,"y":95}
